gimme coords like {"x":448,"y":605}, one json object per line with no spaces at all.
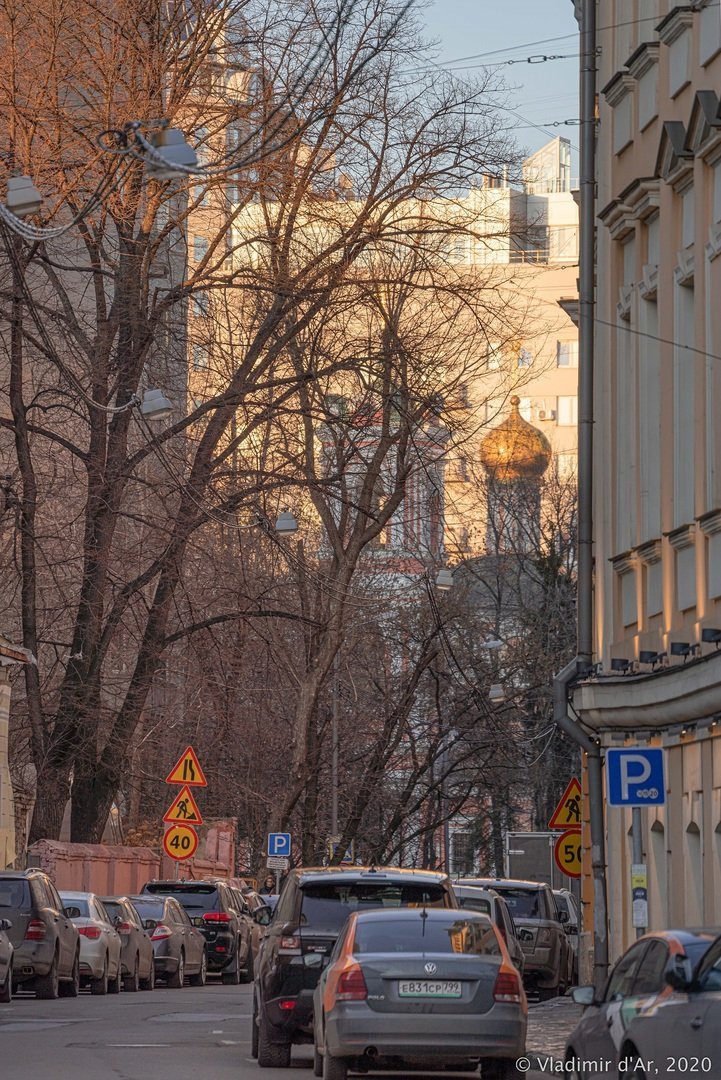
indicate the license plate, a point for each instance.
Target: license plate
{"x":424,"y":989}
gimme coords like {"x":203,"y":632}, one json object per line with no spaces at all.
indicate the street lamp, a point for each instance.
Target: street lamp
{"x":444,"y":580}
{"x":155,"y":405}
{"x":286,"y":524}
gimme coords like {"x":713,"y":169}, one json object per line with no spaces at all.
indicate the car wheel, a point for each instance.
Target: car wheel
{"x":100,"y":986}
{"x":248,"y":973}
{"x":271,"y":1055}
{"x":176,"y":981}
{"x":72,"y":987}
{"x":149,"y":983}
{"x":629,"y":1066}
{"x":334,"y":1068}
{"x":6,"y":990}
{"x":131,"y":983}
{"x":199,"y":979}
{"x":232,"y":978}
{"x":47,"y":987}
{"x":115,"y":985}
{"x":254,"y":1032}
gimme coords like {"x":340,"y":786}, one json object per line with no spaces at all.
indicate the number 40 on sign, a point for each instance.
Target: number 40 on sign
{"x":180,"y":842}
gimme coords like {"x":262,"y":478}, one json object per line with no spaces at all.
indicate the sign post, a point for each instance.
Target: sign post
{"x":180,"y":841}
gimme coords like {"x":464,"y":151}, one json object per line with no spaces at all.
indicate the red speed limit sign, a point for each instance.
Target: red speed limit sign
{"x":567,"y":853}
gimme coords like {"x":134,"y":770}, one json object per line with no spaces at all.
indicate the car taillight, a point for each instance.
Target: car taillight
{"x":161,"y":932}
{"x":216,"y":916}
{"x":351,"y":985}
{"x":290,"y":944}
{"x":92,"y":932}
{"x":124,"y":927}
{"x":507,"y":988}
{"x":36,"y":930}
{"x":287,"y":1005}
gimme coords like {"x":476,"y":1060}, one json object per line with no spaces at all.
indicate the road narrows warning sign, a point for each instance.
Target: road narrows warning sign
{"x":188,"y":771}
{"x":567,"y":814}
{"x":183,"y":809}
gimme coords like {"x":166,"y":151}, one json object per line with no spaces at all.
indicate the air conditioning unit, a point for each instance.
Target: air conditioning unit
{"x":546,"y":414}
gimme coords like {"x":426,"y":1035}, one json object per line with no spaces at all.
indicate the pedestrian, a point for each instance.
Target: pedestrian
{"x":268,"y":886}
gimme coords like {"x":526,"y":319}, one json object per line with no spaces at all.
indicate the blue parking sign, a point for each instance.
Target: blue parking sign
{"x":635,"y":776}
{"x":279,"y":844}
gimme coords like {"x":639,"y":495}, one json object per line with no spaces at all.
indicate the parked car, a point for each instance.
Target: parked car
{"x":99,"y":942}
{"x":178,"y":947}
{"x":261,"y":914}
{"x":683,"y":1022}
{"x":212,"y":906}
{"x":311,"y":912}
{"x":637,"y":985}
{"x":46,"y":943}
{"x":136,"y":956}
{"x":6,"y":962}
{"x":427,"y":987}
{"x":570,"y":916}
{"x":489,"y":902}
{"x":540,"y":932}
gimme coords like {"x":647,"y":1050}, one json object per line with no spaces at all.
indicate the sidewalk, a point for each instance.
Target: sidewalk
{"x":549,"y":1025}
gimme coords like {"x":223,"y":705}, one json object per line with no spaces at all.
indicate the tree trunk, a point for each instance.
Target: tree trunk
{"x":93,"y":794}
{"x":53,"y":792}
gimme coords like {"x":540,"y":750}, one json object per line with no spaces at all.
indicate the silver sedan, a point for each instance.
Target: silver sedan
{"x":100,"y":944}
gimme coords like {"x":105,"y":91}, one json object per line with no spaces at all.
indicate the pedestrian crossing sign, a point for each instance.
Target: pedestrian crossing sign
{"x":567,"y":814}
{"x":187,"y":770}
{"x":183,"y":809}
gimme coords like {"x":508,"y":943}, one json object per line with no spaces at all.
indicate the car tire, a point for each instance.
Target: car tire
{"x":6,"y":990}
{"x":547,"y":993}
{"x":254,"y":1032}
{"x":116,"y":985}
{"x":248,"y":973}
{"x":99,"y":986}
{"x":71,"y":988}
{"x":232,"y":978}
{"x":47,"y":987}
{"x":272,"y":1055}
{"x":149,"y":983}
{"x":334,"y":1068}
{"x":131,"y":983}
{"x":630,"y":1057}
{"x":176,"y":981}
{"x":200,"y":978}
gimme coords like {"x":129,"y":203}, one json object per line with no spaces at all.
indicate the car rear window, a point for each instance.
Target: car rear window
{"x":561,"y":902}
{"x":13,"y":892}
{"x":78,"y":902}
{"x":195,"y":899}
{"x":524,"y":903}
{"x":113,"y":908}
{"x":470,"y":937}
{"x":475,"y":903}
{"x":327,"y":906}
{"x":149,"y":909}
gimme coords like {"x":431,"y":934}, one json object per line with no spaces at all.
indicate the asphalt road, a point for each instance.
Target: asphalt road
{"x":189,"y":1034}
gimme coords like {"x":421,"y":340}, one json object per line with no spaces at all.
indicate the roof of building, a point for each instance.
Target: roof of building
{"x":515,"y":449}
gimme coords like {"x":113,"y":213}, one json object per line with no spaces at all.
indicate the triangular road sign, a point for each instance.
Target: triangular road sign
{"x":567,"y":814}
{"x":184,"y":809}
{"x":188,"y":771}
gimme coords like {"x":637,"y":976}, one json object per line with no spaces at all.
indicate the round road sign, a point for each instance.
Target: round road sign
{"x":180,"y":842}
{"x":567,"y":853}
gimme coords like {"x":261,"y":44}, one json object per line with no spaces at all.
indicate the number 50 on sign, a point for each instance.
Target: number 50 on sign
{"x":567,"y":853}
{"x":180,"y":842}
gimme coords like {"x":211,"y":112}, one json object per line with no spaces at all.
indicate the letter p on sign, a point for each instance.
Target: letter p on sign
{"x":635,"y":776}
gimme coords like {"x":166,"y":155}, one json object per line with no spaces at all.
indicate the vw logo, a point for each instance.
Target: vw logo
{"x":430,"y":968}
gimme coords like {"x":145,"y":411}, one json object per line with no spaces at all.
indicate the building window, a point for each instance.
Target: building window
{"x":200,"y":357}
{"x":525,"y":358}
{"x":200,"y":304}
{"x":567,"y":465}
{"x":200,"y":248}
{"x":525,"y":408}
{"x":462,"y":853}
{"x":567,"y":354}
{"x":567,"y":411}
{"x":494,"y":355}
{"x":709,"y":32}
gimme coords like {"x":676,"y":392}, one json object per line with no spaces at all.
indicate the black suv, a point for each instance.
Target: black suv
{"x":309,"y":916}
{"x":45,"y":940}
{"x":213,"y":907}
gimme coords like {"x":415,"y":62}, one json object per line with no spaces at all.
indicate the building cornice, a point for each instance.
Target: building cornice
{"x":648,"y":285}
{"x":703,"y":134}
{"x":643,"y":59}
{"x":675,"y":23}
{"x":618,"y":219}
{"x":642,"y":197}
{"x":674,"y":163}
{"x":624,"y":563}
{"x":681,"y":537}
{"x":710,"y":522}
{"x":617,"y":88}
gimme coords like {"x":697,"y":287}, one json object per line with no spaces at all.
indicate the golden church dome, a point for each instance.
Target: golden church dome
{"x":515,"y":450}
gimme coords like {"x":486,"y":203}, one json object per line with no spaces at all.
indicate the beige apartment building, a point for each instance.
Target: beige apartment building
{"x":657,"y":515}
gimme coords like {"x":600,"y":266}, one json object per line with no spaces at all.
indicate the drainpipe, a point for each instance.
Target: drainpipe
{"x":586,"y":14}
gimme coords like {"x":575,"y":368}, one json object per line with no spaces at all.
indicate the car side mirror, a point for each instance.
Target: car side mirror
{"x":563,"y":917}
{"x":262,"y":916}
{"x":584,"y":995}
{"x":72,"y":913}
{"x":678,"y":973}
{"x":6,"y":924}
